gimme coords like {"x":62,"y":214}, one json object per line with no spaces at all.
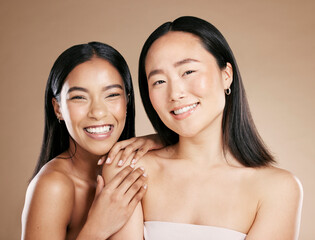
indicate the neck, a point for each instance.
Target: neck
{"x":205,"y":147}
{"x":84,"y":163}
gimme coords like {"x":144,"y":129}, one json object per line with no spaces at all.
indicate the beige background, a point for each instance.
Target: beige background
{"x":273,"y":41}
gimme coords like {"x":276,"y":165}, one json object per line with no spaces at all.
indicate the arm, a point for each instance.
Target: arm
{"x":279,"y":213}
{"x":48,"y":207}
{"x":114,"y":203}
{"x":133,"y":229}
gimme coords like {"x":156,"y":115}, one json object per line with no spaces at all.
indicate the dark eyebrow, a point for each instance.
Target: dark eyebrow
{"x":184,"y":61}
{"x":104,"y":88}
{"x":177,"y":64}
{"x":77,"y":89}
{"x":112,"y":86}
{"x":154,"y":72}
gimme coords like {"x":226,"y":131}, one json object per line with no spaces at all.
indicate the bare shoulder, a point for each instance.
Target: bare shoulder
{"x":48,"y":203}
{"x":280,"y":197}
{"x":51,"y":184}
{"x":277,"y":181}
{"x":158,"y":156}
{"x":53,"y":177}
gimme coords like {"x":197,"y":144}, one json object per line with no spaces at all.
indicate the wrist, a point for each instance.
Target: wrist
{"x":91,"y":233}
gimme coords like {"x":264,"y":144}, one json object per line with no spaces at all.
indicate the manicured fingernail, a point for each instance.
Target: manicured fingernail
{"x":142,"y":168}
{"x":120,"y":163}
{"x":145,"y":174}
{"x":132,"y":165}
{"x":99,"y":161}
{"x":133,"y":161}
{"x":145,"y":186}
{"x":108,"y":161}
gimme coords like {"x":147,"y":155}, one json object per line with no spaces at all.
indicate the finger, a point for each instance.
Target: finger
{"x":117,"y":147}
{"x":137,"y":197}
{"x":101,"y":160}
{"x":126,"y":157}
{"x":132,"y":148}
{"x":119,"y":177}
{"x":135,"y":187}
{"x":118,"y":160}
{"x":130,"y":180}
{"x":100,"y":185}
{"x":140,"y":153}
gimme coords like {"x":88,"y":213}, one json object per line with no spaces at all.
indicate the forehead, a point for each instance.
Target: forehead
{"x":175,"y":46}
{"x":94,"y":72}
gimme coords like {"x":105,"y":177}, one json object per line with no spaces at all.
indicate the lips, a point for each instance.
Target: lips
{"x":185,"y":109}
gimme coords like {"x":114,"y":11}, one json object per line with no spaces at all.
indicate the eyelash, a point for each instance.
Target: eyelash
{"x":77,"y":98}
{"x":158,"y":82}
{"x":188,"y":72}
{"x":113,"y":95}
{"x":185,"y":74}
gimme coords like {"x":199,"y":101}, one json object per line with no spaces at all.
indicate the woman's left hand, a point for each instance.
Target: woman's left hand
{"x":132,"y":149}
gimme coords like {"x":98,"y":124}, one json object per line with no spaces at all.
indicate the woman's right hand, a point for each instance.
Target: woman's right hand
{"x":131,"y":150}
{"x":114,"y":203}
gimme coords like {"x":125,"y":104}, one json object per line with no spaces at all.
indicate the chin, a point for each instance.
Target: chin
{"x":98,"y":153}
{"x":185,"y":132}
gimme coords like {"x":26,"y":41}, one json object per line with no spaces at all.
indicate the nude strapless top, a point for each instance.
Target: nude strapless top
{"x":155,"y":230}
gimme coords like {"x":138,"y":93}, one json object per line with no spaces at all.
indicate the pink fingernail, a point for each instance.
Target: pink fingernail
{"x":108,"y":161}
{"x":133,"y":161}
{"x":99,"y":162}
{"x":120,"y":163}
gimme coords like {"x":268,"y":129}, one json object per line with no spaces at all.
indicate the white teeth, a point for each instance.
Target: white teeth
{"x":185,"y":109}
{"x":98,"y":130}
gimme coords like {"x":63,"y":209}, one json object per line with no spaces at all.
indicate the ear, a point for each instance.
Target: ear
{"x":56,"y":106}
{"x":227,"y":75}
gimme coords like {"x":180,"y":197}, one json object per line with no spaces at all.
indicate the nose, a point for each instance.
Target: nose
{"x":176,"y":90}
{"x":97,"y":110}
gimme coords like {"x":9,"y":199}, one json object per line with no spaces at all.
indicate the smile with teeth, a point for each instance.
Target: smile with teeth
{"x":184,"y":109}
{"x":99,"y":130}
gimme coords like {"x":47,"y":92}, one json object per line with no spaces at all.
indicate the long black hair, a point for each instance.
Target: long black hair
{"x":56,"y":136}
{"x":239,"y":132}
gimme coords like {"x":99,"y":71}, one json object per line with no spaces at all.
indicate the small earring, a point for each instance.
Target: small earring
{"x":228,"y":91}
{"x":58,"y":120}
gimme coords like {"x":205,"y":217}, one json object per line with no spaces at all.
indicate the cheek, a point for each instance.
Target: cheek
{"x":158,"y":98}
{"x":74,"y":112}
{"x":118,"y":109}
{"x":210,"y":89}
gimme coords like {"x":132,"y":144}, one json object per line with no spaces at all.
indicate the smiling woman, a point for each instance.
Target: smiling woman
{"x":88,"y":94}
{"x":215,"y":179}
{"x":92,"y":104}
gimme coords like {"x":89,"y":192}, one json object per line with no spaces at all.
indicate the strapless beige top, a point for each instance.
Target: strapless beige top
{"x":156,"y":230}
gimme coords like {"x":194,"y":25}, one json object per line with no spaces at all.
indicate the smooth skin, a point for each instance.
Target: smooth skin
{"x":68,"y":199}
{"x":194,"y":181}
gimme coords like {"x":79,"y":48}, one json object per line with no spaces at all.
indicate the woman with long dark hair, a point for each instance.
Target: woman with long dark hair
{"x":89,"y":106}
{"x":215,"y":179}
